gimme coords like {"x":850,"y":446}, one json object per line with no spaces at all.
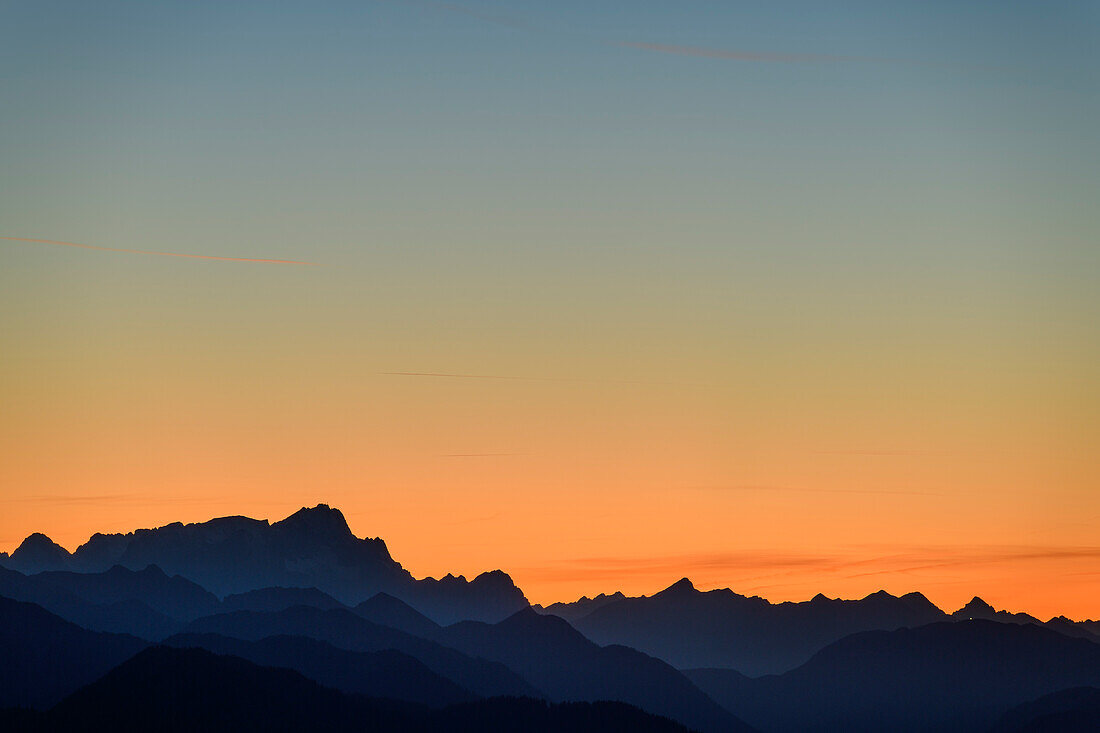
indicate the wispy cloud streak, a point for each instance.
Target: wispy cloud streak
{"x":495,"y":19}
{"x":821,"y":490}
{"x":159,"y":254}
{"x":512,"y":378}
{"x":678,"y":50}
{"x":746,"y":569}
{"x":447,"y":375}
{"x":735,"y":55}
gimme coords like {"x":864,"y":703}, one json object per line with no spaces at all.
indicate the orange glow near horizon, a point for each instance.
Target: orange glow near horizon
{"x":1030,"y":578}
{"x":578,"y":488}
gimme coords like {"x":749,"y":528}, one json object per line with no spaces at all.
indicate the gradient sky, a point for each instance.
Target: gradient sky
{"x":788,"y":297}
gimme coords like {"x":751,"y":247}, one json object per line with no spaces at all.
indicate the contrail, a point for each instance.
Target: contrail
{"x":161,"y":254}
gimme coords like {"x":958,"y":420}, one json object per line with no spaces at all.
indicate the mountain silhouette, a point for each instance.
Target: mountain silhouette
{"x":165,"y":689}
{"x":38,"y":553}
{"x":1081,"y":629}
{"x":145,"y":603}
{"x":312,"y":548}
{"x":175,"y":596}
{"x":976,"y":608}
{"x":560,"y":661}
{"x":175,"y":690}
{"x":579,"y":608}
{"x":343,"y":629}
{"x":491,"y":597}
{"x":130,"y":617}
{"x":524,"y":715}
{"x":947,"y":676}
{"x":44,"y":657}
{"x":1076,"y":710}
{"x":278,"y":599}
{"x":386,"y":610}
{"x":689,"y":628}
{"x":386,"y":673}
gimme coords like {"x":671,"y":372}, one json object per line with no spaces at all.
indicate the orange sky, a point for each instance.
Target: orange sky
{"x":574,"y":487}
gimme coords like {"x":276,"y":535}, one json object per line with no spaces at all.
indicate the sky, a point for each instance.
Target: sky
{"x":789,"y":297}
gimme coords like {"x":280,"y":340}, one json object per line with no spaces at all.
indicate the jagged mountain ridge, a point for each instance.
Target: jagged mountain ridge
{"x":312,"y":548}
{"x":722,"y":629}
{"x":315,"y":549}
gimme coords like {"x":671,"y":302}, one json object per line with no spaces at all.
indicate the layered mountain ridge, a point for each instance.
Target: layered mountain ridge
{"x":719,"y":628}
{"x":312,"y":548}
{"x":138,"y":582}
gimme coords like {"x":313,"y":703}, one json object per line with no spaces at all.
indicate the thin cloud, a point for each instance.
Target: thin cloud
{"x":447,"y":375}
{"x":938,"y":559}
{"x":734,"y":55}
{"x":913,"y":453}
{"x":819,"y":490}
{"x":697,"y":51}
{"x":512,"y":378}
{"x":159,"y":254}
{"x":63,"y":499}
{"x":493,"y":18}
{"x":743,"y":571}
{"x":477,"y":455}
{"x":674,"y":566}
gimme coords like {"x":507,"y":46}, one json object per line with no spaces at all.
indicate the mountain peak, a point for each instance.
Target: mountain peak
{"x":976,"y":608}
{"x":37,"y":541}
{"x":682,"y":587}
{"x":37,"y":553}
{"x":494,"y":579}
{"x":531,"y":620}
{"x":319,"y":521}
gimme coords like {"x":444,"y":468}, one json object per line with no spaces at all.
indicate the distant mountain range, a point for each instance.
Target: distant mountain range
{"x":689,"y":628}
{"x":960,"y":676}
{"x":353,"y":640}
{"x":312,"y":548}
{"x":565,"y":665}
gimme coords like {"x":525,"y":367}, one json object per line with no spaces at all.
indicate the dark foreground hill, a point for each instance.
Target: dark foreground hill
{"x":1076,"y":710}
{"x":169,"y":690}
{"x":960,"y":676}
{"x":44,"y":657}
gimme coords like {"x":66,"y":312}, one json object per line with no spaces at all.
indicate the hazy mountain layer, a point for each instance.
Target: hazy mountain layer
{"x":184,"y":690}
{"x":689,"y":628}
{"x":960,"y":676}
